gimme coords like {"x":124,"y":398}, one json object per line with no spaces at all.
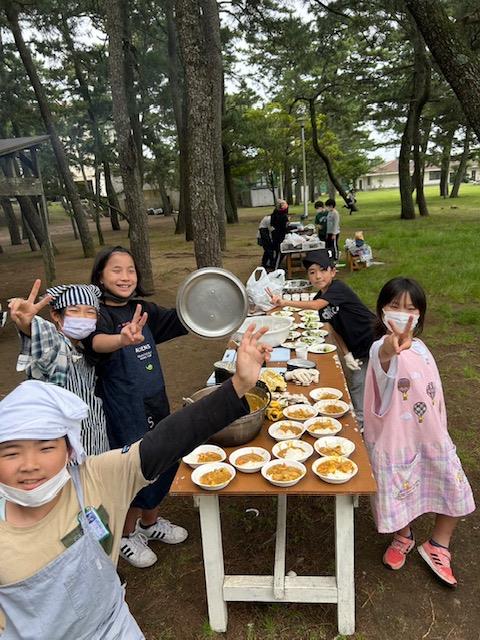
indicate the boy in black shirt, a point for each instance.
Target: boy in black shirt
{"x":352,"y":322}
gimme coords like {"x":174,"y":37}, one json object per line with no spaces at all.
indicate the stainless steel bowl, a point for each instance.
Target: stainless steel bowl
{"x":244,"y":429}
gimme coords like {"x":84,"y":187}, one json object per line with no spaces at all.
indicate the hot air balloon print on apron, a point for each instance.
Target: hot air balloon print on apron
{"x":431,"y":391}
{"x":403,"y":386}
{"x":420,"y":409}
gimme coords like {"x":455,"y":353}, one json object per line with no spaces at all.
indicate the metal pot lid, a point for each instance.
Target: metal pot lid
{"x":212,"y":302}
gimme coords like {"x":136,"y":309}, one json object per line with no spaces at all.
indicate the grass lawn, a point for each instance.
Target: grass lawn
{"x":168,"y":600}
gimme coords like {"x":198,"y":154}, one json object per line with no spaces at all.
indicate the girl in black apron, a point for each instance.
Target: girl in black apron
{"x":132,"y":386}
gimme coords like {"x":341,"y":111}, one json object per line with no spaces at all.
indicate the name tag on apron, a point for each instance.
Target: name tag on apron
{"x":95,"y":523}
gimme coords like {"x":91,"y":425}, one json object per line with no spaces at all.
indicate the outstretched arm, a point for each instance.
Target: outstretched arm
{"x":182,"y":431}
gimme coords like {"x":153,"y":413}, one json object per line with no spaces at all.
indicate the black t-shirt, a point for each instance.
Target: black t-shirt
{"x":130,"y":380}
{"x":349,"y":317}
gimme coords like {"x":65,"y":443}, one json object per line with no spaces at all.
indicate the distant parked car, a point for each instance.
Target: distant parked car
{"x":155,"y":212}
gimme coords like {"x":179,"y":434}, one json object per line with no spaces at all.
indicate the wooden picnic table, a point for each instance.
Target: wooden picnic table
{"x":338,"y":588}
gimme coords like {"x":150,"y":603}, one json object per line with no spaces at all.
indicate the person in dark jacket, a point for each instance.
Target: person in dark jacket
{"x":279,"y":222}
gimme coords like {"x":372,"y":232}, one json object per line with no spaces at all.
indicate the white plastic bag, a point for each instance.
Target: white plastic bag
{"x":258,"y":282}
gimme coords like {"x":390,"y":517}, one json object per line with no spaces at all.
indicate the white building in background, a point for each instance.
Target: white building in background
{"x":385,"y":176}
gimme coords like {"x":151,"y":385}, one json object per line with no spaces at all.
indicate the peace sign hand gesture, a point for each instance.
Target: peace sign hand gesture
{"x":23,"y":311}
{"x":399,"y":340}
{"x":132,"y":332}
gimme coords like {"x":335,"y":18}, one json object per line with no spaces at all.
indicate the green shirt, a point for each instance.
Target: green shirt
{"x":321,"y":224}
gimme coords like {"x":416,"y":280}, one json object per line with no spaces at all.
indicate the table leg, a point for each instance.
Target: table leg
{"x":344,"y":562}
{"x":280,"y":548}
{"x":213,"y":561}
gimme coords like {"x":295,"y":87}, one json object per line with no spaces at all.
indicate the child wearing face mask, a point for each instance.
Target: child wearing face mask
{"x":52,"y":351}
{"x":405,"y":429}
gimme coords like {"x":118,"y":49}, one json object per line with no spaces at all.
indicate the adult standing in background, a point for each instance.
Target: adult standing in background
{"x":279,"y":222}
{"x":264,"y":239}
{"x":333,"y":227}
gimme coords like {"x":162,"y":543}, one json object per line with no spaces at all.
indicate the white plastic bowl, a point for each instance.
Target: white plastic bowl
{"x":338,"y":478}
{"x":290,"y":412}
{"x":296,"y":444}
{"x":336,"y":426}
{"x":318,"y":393}
{"x":192,"y":458}
{"x":289,"y":463}
{"x":211,"y":466}
{"x":273,"y":430}
{"x":321,"y":407}
{"x":348,"y":447}
{"x":251,"y":467}
{"x":278,"y":328}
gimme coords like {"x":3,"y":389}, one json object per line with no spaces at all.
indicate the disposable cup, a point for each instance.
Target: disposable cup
{"x":302,"y":352}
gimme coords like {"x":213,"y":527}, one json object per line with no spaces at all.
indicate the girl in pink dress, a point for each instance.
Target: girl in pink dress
{"x":413,"y":458}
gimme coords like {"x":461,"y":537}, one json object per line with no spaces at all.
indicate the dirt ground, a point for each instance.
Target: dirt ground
{"x":168,"y":599}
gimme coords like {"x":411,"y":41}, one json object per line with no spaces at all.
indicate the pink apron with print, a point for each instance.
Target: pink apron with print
{"x":413,"y":458}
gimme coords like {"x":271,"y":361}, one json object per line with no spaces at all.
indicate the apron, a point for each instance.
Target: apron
{"x":414,"y":461}
{"x":133,"y":392}
{"x":77,"y":596}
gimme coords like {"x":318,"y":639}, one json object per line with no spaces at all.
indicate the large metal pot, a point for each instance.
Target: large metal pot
{"x":244,"y":429}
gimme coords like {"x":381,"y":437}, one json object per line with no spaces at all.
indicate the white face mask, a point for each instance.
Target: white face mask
{"x":400,"y":319}
{"x":78,"y":328}
{"x":43,"y":494}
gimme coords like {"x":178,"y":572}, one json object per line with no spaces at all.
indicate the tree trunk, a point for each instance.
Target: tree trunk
{"x":230,"y":197}
{"x":98,"y":225}
{"x":13,"y":228}
{"x":422,"y":80}
{"x":27,"y":232}
{"x":451,"y":51}
{"x":445,"y":163}
{"x":116,"y":15}
{"x":166,"y":206}
{"x":271,"y":182}
{"x":319,"y":151}
{"x":61,"y":158}
{"x":177,"y":90}
{"x":462,"y":167}
{"x":213,"y":45}
{"x":114,"y":204}
{"x":200,"y":133}
{"x":68,"y":211}
{"x":311,"y":186}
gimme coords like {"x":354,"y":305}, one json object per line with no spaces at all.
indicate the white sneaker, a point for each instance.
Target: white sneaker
{"x":164,"y":531}
{"x":135,"y":550}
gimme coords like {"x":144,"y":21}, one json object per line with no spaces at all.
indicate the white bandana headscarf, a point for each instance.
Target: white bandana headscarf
{"x":42,"y":411}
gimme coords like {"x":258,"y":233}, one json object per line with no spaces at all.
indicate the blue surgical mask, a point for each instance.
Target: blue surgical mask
{"x":78,"y":328}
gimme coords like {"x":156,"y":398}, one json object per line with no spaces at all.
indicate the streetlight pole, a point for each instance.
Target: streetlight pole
{"x":305,"y":200}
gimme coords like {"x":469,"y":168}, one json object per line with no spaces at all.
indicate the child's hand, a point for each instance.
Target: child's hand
{"x":132,"y":332}
{"x":251,"y":354}
{"x":23,"y":311}
{"x":399,"y":340}
{"x":277,"y":301}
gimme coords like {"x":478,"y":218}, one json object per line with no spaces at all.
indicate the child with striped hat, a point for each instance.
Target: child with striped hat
{"x":53,"y":352}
